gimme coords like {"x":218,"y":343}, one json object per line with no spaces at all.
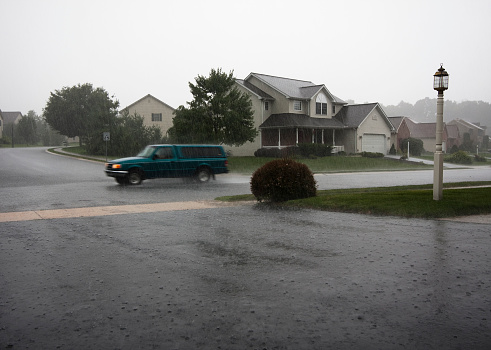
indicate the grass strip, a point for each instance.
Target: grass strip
{"x":459,"y":199}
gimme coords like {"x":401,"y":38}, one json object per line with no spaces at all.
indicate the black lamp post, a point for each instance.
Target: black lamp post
{"x":440,"y":84}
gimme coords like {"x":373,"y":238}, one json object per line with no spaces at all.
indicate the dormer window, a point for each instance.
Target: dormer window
{"x":266,"y":105}
{"x":297,"y":105}
{"x":321,"y":104}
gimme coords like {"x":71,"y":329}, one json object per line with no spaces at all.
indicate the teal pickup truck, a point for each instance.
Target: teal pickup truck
{"x":157,"y":161}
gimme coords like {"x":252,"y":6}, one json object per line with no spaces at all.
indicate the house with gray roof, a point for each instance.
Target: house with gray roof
{"x":1,"y":124}
{"x":288,"y":112}
{"x":7,"y":119}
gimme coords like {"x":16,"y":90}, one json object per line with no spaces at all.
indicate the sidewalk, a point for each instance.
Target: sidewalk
{"x":429,"y":162}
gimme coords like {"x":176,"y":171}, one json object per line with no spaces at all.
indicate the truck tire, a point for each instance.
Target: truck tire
{"x":203,"y":175}
{"x":134,"y":177}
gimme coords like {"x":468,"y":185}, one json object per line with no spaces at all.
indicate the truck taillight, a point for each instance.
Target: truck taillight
{"x":226,"y":163}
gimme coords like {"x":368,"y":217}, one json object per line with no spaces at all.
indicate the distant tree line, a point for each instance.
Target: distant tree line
{"x":86,"y":112}
{"x":31,"y":130}
{"x":425,"y":111}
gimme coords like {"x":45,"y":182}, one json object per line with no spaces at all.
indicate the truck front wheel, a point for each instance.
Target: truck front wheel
{"x":134,"y":177}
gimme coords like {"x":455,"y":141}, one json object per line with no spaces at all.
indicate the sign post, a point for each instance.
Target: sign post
{"x":106,"y":136}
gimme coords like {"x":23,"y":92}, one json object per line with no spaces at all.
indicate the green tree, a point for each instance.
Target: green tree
{"x":129,"y":135}
{"x":80,"y":111}
{"x":219,"y":113}
{"x":415,"y":146}
{"x":26,"y":128}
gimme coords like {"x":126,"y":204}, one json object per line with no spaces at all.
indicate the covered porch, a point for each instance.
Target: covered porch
{"x":288,"y":129}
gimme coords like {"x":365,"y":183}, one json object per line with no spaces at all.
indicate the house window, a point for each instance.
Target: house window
{"x":333,"y":109}
{"x":321,"y":104}
{"x":266,"y":105}
{"x":156,"y":117}
{"x":297,"y":105}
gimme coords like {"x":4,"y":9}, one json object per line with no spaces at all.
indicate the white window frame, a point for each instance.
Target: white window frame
{"x":297,"y":105}
{"x":156,"y":117}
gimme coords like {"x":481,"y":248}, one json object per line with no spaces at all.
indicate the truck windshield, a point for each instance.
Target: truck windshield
{"x":146,"y":152}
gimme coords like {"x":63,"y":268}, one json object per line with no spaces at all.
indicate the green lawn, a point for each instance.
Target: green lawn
{"x":333,"y":164}
{"x":405,"y":201}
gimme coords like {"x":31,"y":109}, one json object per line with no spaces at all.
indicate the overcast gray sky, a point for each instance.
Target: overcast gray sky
{"x":368,"y":51}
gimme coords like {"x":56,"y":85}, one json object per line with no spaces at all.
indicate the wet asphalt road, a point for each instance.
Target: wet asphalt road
{"x":231,"y":278}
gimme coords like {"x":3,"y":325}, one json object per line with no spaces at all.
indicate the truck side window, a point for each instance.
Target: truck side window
{"x":164,"y":153}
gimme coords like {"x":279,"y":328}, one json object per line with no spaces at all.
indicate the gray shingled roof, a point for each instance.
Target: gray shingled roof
{"x":353,"y":115}
{"x":254,"y":89}
{"x":289,"y":120}
{"x":9,"y":117}
{"x":292,"y":88}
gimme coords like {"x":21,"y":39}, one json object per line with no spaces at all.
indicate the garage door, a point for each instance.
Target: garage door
{"x":373,"y":143}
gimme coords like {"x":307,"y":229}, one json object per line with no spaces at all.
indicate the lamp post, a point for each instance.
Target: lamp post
{"x":440,"y":84}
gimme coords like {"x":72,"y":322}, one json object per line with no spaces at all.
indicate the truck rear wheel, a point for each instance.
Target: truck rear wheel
{"x":203,"y":175}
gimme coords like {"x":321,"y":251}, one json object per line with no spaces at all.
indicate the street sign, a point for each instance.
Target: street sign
{"x":106,"y":136}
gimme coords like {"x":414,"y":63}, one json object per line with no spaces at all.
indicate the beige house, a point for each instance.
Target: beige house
{"x":288,"y":112}
{"x":1,"y":124}
{"x":153,"y":111}
{"x":7,"y":119}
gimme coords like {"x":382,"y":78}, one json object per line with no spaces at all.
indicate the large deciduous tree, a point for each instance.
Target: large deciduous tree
{"x":27,"y":128}
{"x":219,"y":113}
{"x":80,"y":111}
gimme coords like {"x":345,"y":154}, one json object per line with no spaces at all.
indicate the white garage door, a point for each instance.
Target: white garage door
{"x":373,"y":143}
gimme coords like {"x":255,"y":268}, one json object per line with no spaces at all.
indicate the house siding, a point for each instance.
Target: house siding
{"x":148,"y":105}
{"x":374,"y":124}
{"x":260,"y":115}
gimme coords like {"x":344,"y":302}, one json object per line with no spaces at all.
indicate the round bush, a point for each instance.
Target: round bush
{"x":459,"y":157}
{"x":281,"y":180}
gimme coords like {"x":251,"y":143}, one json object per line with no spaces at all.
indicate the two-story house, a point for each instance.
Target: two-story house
{"x":288,"y":112}
{"x":154,"y":112}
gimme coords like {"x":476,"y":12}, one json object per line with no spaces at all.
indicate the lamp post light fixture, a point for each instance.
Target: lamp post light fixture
{"x":440,"y":84}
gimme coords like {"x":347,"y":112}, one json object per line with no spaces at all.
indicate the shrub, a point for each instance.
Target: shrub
{"x":372,"y":154}
{"x":392,"y":150}
{"x":276,"y":152}
{"x":479,"y":158}
{"x":459,"y":157}
{"x":283,"y":179}
{"x":308,"y":150}
{"x":454,"y":149}
{"x":415,"y":146}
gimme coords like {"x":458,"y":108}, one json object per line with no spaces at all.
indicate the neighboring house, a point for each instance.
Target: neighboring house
{"x":1,"y":124}
{"x":395,"y":139}
{"x":475,"y":132}
{"x":7,"y":120}
{"x":426,"y":132}
{"x":153,"y":111}
{"x":453,"y":136}
{"x":288,"y":112}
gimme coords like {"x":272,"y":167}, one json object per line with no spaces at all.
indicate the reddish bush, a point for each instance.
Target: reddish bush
{"x":281,"y":180}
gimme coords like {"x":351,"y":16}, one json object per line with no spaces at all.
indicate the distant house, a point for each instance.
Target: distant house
{"x":8,"y":119}
{"x":396,"y":139}
{"x":453,"y":136}
{"x":1,"y":124}
{"x":154,"y":112}
{"x":289,"y":111}
{"x":425,"y":132}
{"x":476,"y":133}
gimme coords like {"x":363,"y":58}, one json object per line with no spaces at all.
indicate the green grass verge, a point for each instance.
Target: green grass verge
{"x":405,"y":201}
{"x":247,"y":165}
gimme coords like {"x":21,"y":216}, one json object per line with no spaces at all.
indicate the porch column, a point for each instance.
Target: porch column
{"x":279,"y":138}
{"x":333,"y":137}
{"x":313,"y":136}
{"x":296,"y":130}
{"x":322,"y":136}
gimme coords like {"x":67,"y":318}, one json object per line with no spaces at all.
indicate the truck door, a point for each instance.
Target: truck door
{"x":165,"y":161}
